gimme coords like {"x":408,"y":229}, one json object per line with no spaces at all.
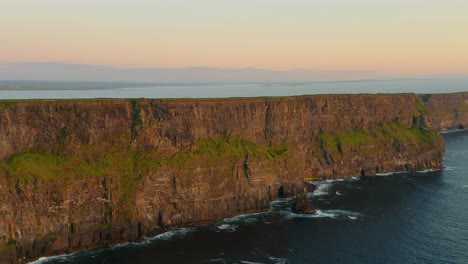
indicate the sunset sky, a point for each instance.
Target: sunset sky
{"x":397,"y":38}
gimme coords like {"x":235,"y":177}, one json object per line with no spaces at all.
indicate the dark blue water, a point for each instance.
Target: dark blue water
{"x":400,"y":218}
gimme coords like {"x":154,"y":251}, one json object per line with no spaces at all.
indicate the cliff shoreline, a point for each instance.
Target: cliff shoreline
{"x":81,"y":174}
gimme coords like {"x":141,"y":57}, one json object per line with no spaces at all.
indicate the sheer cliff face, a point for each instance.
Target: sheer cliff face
{"x":448,"y":111}
{"x":82,"y":174}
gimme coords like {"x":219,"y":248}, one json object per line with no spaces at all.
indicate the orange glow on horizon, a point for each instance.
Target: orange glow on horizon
{"x":336,"y":38}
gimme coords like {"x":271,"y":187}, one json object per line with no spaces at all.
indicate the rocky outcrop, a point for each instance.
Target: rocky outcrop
{"x":79,"y":174}
{"x":448,"y":111}
{"x":302,"y":204}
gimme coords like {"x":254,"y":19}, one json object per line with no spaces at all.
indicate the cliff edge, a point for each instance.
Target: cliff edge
{"x":448,"y":111}
{"x":80,"y":174}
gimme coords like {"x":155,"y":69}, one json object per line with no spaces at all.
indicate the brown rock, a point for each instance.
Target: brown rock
{"x":302,"y":204}
{"x":447,"y":111}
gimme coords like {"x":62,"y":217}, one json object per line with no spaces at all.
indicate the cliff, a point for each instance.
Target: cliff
{"x":79,"y":174}
{"x":448,"y":111}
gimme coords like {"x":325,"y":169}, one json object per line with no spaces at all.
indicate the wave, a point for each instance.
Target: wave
{"x":44,"y":260}
{"x":404,"y":172}
{"x":318,"y":214}
{"x":227,"y":227}
{"x":278,"y":204}
{"x":71,"y":256}
{"x":333,"y":214}
{"x":273,"y":260}
{"x":451,"y":131}
{"x":345,"y":213}
{"x":322,"y":189}
{"x":216,"y":260}
{"x":428,"y":171}
{"x":390,"y":173}
{"x":352,"y":179}
{"x":244,"y":218}
{"x":278,"y":260}
{"x":181,"y":232}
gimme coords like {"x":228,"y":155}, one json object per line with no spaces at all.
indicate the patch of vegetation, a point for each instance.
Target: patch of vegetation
{"x":8,"y":245}
{"x":415,"y":133}
{"x":420,"y":108}
{"x":311,"y":179}
{"x":46,"y":166}
{"x":7,"y":104}
{"x":11,"y":242}
{"x":463,"y":108}
{"x":105,"y":226}
{"x":32,"y":164}
{"x":379,"y":135}
{"x":215,"y":151}
{"x":354,"y":137}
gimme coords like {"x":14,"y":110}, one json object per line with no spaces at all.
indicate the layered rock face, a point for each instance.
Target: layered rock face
{"x":448,"y":111}
{"x":80,"y":174}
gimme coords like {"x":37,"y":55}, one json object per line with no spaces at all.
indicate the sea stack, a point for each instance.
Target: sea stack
{"x":302,"y":204}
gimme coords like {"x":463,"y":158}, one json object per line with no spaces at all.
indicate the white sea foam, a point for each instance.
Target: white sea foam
{"x":278,"y":260}
{"x":216,"y":260}
{"x":347,"y":213}
{"x":227,"y":227}
{"x":334,"y":214}
{"x":42,"y":260}
{"x":404,"y":172}
{"x":390,"y":173}
{"x":68,"y":257}
{"x":339,"y":193}
{"x":453,"y":131}
{"x":335,"y":180}
{"x":280,"y":203}
{"x":427,"y":171}
{"x":170,"y":234}
{"x":322,"y":189}
{"x":318,"y":214}
{"x":244,"y":218}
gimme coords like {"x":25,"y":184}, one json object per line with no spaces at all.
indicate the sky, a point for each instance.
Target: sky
{"x":290,"y":39}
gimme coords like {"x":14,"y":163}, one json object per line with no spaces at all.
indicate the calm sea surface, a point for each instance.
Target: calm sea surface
{"x":57,"y":90}
{"x":399,"y":218}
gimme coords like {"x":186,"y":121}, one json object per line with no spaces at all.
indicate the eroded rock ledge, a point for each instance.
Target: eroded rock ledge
{"x":80,"y":174}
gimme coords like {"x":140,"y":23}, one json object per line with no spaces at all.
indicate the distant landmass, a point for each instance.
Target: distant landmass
{"x":61,"y":71}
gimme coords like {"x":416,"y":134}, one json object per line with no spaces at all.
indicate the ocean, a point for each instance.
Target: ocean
{"x":70,"y":90}
{"x":394,"y":218}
